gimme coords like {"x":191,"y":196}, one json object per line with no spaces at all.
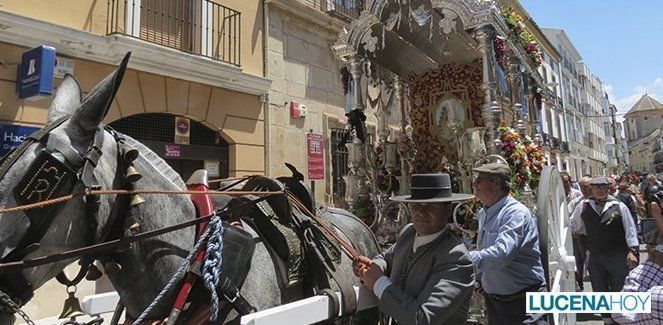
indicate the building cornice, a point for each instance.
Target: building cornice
{"x":148,"y":57}
{"x":310,"y":14}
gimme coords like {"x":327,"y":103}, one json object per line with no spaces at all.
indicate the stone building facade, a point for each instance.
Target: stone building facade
{"x":581,"y":94}
{"x":643,"y":118}
{"x":306,"y":73}
{"x":643,"y":123}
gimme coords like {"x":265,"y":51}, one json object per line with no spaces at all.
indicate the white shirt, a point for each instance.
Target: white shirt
{"x":630,"y":230}
{"x":423,"y":240}
{"x":383,"y":282}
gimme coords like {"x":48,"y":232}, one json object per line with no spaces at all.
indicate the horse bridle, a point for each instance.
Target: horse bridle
{"x":48,"y":178}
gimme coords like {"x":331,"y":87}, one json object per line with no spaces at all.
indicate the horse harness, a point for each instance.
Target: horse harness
{"x":46,"y":178}
{"x":297,"y":243}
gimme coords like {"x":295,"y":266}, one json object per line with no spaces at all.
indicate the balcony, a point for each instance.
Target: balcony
{"x":199,"y":27}
{"x":344,"y":9}
{"x":347,"y":9}
{"x":556,"y":143}
{"x":545,"y":139}
{"x":584,"y":98}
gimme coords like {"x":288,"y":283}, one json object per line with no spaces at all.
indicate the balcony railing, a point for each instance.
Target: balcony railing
{"x":556,"y":143}
{"x":344,"y":9}
{"x":199,"y":27}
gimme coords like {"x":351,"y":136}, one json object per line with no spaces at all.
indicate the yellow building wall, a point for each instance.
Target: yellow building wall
{"x":87,"y":15}
{"x":238,"y":116}
{"x":91,"y":16}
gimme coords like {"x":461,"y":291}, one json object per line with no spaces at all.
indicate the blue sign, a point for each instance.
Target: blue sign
{"x":12,"y":136}
{"x":35,"y":74}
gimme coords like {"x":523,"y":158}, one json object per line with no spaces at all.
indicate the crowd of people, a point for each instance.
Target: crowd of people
{"x":428,"y":276}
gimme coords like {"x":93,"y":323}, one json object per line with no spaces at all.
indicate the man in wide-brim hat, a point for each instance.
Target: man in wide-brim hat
{"x":426,"y":276}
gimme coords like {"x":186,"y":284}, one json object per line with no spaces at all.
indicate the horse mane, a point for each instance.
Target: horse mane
{"x":160,"y":165}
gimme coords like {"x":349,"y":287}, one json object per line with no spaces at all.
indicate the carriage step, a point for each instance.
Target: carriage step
{"x":100,"y":303}
{"x":307,"y":311}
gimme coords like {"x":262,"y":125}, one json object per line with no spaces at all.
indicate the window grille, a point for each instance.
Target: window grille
{"x":161,"y":127}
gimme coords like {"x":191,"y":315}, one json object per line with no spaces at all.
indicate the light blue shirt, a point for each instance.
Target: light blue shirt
{"x":508,"y":259}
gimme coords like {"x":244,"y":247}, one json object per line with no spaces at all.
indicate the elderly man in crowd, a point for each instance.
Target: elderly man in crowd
{"x":508,"y":260}
{"x":611,"y":238}
{"x":427,"y":276}
{"x":571,"y":193}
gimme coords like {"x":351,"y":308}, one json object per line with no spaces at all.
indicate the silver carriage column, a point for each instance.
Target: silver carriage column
{"x":404,"y":145}
{"x":355,"y":181}
{"x":492,"y":112}
{"x":356,"y":189}
{"x":381,"y":156}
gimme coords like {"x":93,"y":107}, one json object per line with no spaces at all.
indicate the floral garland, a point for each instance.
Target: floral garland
{"x":525,"y":158}
{"x":500,"y":51}
{"x":524,"y":38}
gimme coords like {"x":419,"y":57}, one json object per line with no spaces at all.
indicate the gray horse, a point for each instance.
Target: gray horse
{"x":148,"y":265}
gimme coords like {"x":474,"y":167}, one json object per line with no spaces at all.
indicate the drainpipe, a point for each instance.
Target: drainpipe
{"x":265,"y":97}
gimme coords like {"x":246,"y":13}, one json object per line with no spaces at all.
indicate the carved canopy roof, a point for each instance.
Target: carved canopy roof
{"x":412,"y":36}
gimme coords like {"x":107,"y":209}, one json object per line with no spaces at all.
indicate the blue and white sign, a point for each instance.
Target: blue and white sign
{"x":12,"y":136}
{"x":35,"y":74}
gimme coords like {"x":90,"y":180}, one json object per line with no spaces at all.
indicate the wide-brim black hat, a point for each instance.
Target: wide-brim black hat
{"x":431,"y":188}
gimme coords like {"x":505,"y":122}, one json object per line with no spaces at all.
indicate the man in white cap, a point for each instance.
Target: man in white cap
{"x":427,"y":276}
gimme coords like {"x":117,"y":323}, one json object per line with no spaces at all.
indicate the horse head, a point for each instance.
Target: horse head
{"x":73,"y":136}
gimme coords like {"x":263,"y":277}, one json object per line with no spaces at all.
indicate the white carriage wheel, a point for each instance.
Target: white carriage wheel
{"x":555,"y":237}
{"x":456,"y":224}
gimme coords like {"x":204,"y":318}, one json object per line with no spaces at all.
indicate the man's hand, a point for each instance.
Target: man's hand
{"x":631,"y":260}
{"x":360,"y":265}
{"x":371,"y":274}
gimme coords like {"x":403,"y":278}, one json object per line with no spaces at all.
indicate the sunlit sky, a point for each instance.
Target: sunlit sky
{"x":621,"y":41}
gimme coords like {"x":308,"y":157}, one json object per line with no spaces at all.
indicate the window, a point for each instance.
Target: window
{"x":339,"y":154}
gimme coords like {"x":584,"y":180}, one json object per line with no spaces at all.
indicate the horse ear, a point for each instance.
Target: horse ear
{"x":67,"y":98}
{"x":92,"y":111}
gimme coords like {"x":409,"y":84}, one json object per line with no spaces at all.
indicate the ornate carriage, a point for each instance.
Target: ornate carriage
{"x":462,"y":78}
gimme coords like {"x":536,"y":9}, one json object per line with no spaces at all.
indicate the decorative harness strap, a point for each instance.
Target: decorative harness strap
{"x":205,"y":207}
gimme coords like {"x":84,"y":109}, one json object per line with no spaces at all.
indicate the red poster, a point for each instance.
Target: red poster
{"x":316,"y":156}
{"x":172,"y":150}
